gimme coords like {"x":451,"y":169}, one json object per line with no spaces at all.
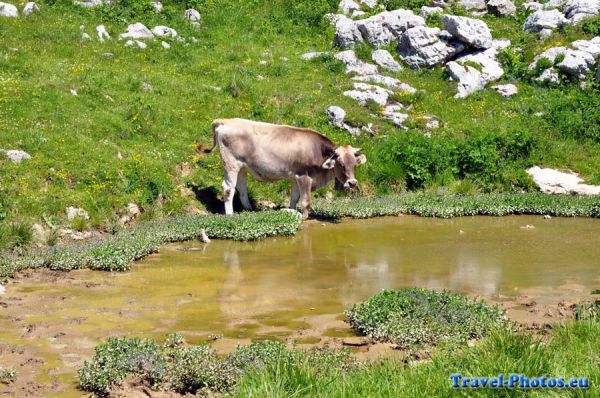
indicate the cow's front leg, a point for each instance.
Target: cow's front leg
{"x":304,"y":183}
{"x":295,"y":195}
{"x":242,"y":188}
{"x":229,"y":183}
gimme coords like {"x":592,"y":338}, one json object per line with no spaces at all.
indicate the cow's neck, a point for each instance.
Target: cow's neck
{"x":322,"y":178}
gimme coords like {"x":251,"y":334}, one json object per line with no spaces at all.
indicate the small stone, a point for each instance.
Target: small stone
{"x":73,"y":91}
{"x":164,"y":31}
{"x":85,"y":37}
{"x":165,"y":45}
{"x":73,"y":212}
{"x":8,"y":10}
{"x":547,"y":216}
{"x":102,"y":33}
{"x":203,"y":237}
{"x":356,"y":341}
{"x":506,"y":90}
{"x":29,"y":8}
{"x":137,"y":31}
{"x":384,"y":59}
{"x":313,"y":55}
{"x":157,"y":6}
{"x":16,"y":155}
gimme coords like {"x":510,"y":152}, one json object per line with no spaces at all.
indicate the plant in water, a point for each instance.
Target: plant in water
{"x":413,"y":317}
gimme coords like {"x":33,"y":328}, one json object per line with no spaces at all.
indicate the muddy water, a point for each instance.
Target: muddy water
{"x":293,"y":289}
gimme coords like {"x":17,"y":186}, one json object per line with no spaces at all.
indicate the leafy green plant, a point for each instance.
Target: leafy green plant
{"x":412,"y":317}
{"x":588,"y":311}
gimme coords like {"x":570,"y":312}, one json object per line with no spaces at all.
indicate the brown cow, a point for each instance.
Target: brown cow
{"x":277,"y":152}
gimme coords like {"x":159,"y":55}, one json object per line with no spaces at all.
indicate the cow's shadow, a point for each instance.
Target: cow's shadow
{"x":212,"y":200}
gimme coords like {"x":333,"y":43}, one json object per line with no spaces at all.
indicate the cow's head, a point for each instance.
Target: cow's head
{"x":343,"y":162}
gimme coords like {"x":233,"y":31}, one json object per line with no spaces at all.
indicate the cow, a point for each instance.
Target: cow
{"x":273,"y":152}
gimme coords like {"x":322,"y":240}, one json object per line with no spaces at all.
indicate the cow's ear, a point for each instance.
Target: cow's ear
{"x":361,"y":159}
{"x":329,"y":164}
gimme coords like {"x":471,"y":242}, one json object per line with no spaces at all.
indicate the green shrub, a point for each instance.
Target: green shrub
{"x":591,"y":25}
{"x":414,"y":5}
{"x":413,"y":317}
{"x":588,"y":311}
{"x":574,"y":114}
{"x":543,"y":64}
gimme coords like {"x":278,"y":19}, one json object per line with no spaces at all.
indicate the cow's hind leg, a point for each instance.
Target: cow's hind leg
{"x":242,"y":189}
{"x":229,"y":183}
{"x":295,"y":195}
{"x":304,"y":184}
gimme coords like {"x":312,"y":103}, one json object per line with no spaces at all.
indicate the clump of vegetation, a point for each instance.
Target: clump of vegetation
{"x":589,"y":311}
{"x":116,"y":252}
{"x":413,"y":317}
{"x":197,"y":369}
{"x":7,"y":376}
{"x":574,"y":114}
{"x":446,"y":206}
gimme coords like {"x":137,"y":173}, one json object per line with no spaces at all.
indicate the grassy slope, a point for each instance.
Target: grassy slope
{"x":75,"y":140}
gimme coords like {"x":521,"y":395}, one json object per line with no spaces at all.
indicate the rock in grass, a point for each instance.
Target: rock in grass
{"x":556,"y":182}
{"x":8,"y":10}
{"x":544,"y":19}
{"x":427,"y":11}
{"x":422,"y":46}
{"x":102,"y":33}
{"x":73,"y":212}
{"x":29,"y":8}
{"x":165,"y":45}
{"x":383,"y":28}
{"x":338,"y":116}
{"x":355,"y":65}
{"x":413,"y":317}
{"x":157,"y":6}
{"x":578,"y":10}
{"x":313,"y":55}
{"x":192,"y":15}
{"x":346,"y":31}
{"x":576,"y":63}
{"x":501,"y":8}
{"x":389,"y":82}
{"x":137,"y":31}
{"x":135,"y":43}
{"x":91,"y":3}
{"x":385,"y":60}
{"x":506,"y":90}
{"x":363,"y":93}
{"x":164,"y":31}
{"x":16,"y":155}
{"x":473,"y":32}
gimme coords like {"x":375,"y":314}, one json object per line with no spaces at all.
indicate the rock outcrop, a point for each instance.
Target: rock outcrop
{"x":16,"y":155}
{"x":425,"y":47}
{"x":137,"y":31}
{"x":555,"y":182}
{"x":576,"y":61}
{"x":8,"y":10}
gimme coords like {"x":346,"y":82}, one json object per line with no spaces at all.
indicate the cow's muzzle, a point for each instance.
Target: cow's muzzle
{"x":350,"y":184}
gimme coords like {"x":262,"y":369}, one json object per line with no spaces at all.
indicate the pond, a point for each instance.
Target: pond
{"x":294,"y":289}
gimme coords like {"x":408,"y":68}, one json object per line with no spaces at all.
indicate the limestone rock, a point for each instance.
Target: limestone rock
{"x":591,"y":47}
{"x":501,"y":8}
{"x":476,"y":5}
{"x":91,"y":3}
{"x":425,"y":47}
{"x":193,"y":16}
{"x":385,"y":60}
{"x":8,"y":10}
{"x":544,"y":19}
{"x":29,"y":8}
{"x":313,"y":55}
{"x":427,"y":11}
{"x":578,"y":10}
{"x":550,"y":76}
{"x":164,"y":31}
{"x":165,"y":45}
{"x":157,"y":6}
{"x":553,"y":181}
{"x":576,"y":63}
{"x":468,"y":78}
{"x":102,"y":33}
{"x":506,"y":90}
{"x":135,"y":43}
{"x":15,"y":155}
{"x":338,"y":116}
{"x":137,"y":31}
{"x":390,"y":82}
{"x":355,"y":65}
{"x":363,"y":92}
{"x":473,"y":32}
{"x":73,"y":212}
{"x":385,"y":27}
{"x":346,"y":31}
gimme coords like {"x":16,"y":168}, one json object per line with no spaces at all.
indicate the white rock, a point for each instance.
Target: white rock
{"x":545,"y":33}
{"x":427,"y":11}
{"x":478,"y":5}
{"x":102,"y":33}
{"x":73,"y":212}
{"x":203,"y":237}
{"x":533,"y":6}
{"x":29,"y":8}
{"x":346,"y":31}
{"x":544,"y":19}
{"x":384,"y":59}
{"x":553,"y":181}
{"x":313,"y":55}
{"x":549,"y":75}
{"x":576,"y":63}
{"x":578,"y":10}
{"x":133,"y":209}
{"x":473,"y":32}
{"x":425,"y":47}
{"x":135,"y":43}
{"x":337,"y":115}
{"x":357,"y":13}
{"x":348,"y":6}
{"x":85,"y":37}
{"x":164,"y":31}
{"x":387,"y":81}
{"x":501,"y":8}
{"x":552,"y":4}
{"x":550,"y":54}
{"x":137,"y":31}
{"x":157,"y":6}
{"x":506,"y":90}
{"x":16,"y":155}
{"x":385,"y":27}
{"x":355,"y":65}
{"x":91,"y":3}
{"x":73,"y":91}
{"x":391,"y":113}
{"x":363,"y":92}
{"x":589,"y":46}
{"x":8,"y":10}
{"x":165,"y":45}
{"x":468,"y":78}
{"x":192,"y":15}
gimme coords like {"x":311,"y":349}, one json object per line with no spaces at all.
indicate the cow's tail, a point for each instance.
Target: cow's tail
{"x":200,"y":148}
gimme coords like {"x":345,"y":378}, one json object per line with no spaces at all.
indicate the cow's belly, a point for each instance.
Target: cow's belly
{"x":269,"y":174}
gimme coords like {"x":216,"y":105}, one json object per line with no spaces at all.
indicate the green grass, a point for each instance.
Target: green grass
{"x":415,"y":317}
{"x":120,"y":140}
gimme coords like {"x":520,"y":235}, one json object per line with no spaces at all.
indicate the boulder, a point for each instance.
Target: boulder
{"x":549,"y":75}
{"x":29,"y":8}
{"x":544,"y":19}
{"x":16,"y":155}
{"x":576,"y":63}
{"x":578,"y":10}
{"x":550,"y":54}
{"x":338,"y":116}
{"x":8,"y":10}
{"x":313,"y":55}
{"x":164,"y":31}
{"x":192,"y":15}
{"x":427,"y":11}
{"x":73,"y":212}
{"x":102,"y":33}
{"x":422,"y":46}
{"x":469,"y":79}
{"x":387,"y":26}
{"x":390,"y":82}
{"x":393,"y":114}
{"x":472,"y":5}
{"x":385,"y":60}
{"x":137,"y":31}
{"x":506,"y":90}
{"x":364,"y":93}
{"x":157,"y":6}
{"x":533,"y":6}
{"x":501,"y":8}
{"x":555,"y":182}
{"x":355,"y":65}
{"x":346,"y":31}
{"x":591,"y":47}
{"x":135,"y":43}
{"x":473,"y":32}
